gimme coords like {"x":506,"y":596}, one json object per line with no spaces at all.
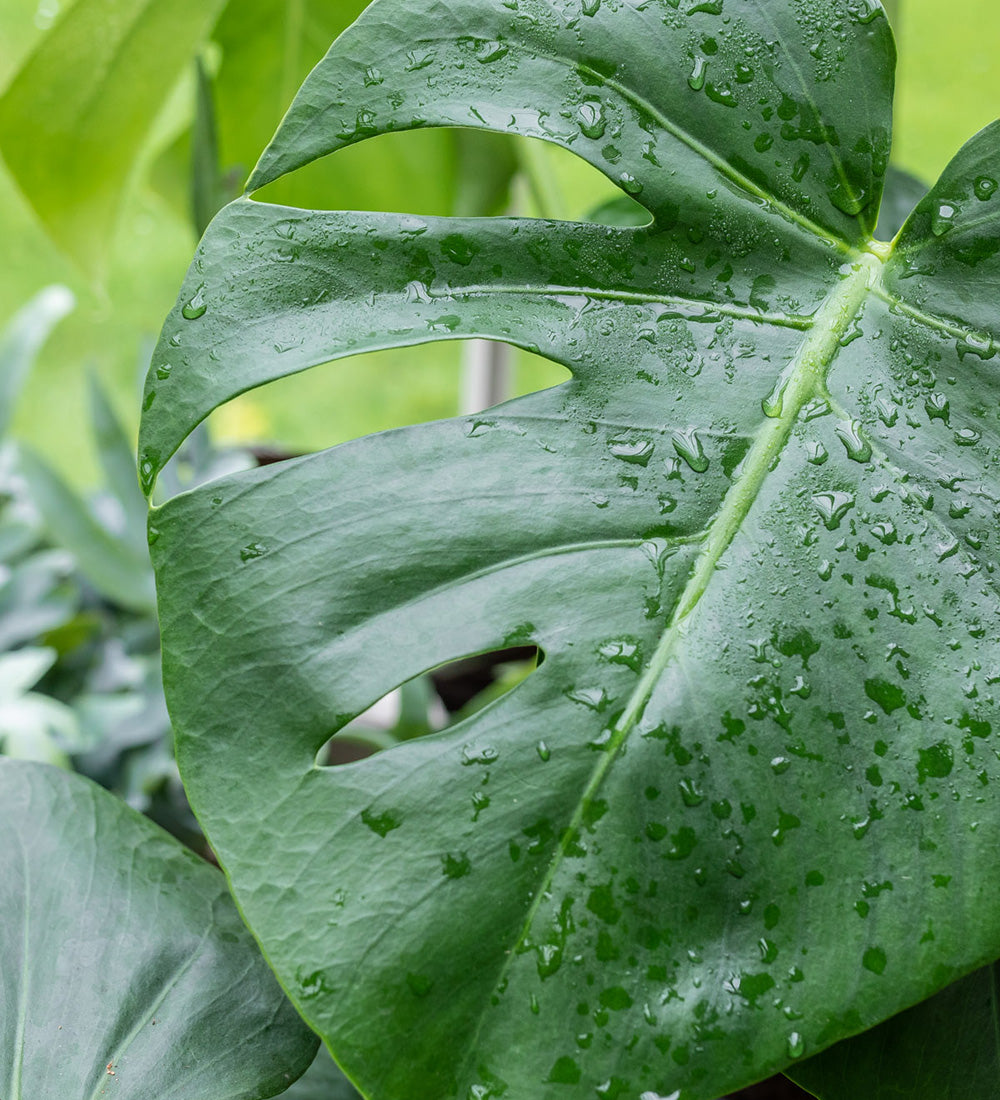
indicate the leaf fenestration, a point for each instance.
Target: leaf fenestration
{"x":753,"y":536}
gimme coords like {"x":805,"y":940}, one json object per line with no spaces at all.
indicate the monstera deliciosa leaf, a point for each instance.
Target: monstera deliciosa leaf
{"x":746,"y":806}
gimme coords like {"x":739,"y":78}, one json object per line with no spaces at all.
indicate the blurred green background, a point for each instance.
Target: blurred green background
{"x":125,"y":269}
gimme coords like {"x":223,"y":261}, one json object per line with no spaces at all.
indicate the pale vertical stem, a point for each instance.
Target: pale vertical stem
{"x":486,"y":375}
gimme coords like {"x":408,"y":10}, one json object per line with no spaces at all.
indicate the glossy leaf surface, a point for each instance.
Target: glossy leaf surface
{"x":947,"y":1046}
{"x":753,"y":538}
{"x":125,"y":969}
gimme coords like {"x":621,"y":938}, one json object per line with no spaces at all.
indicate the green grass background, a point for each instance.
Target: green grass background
{"x":948,"y":87}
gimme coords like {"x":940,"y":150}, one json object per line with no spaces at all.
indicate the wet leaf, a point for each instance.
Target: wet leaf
{"x":753,"y":537}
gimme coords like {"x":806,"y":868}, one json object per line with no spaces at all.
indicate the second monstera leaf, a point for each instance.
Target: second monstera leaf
{"x":746,"y":806}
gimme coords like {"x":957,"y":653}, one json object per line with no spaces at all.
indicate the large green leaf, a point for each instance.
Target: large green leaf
{"x":946,"y":1047}
{"x":745,"y":807}
{"x":82,"y":104}
{"x":125,"y":969}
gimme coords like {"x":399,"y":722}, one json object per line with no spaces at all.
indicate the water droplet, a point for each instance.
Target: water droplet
{"x":479,"y":754}
{"x":419,"y":984}
{"x":775,"y":400}
{"x":543,"y":750}
{"x":937,"y":407}
{"x":590,"y":119}
{"x":817,"y":454}
{"x":849,"y":200}
{"x":796,"y":1046}
{"x":382,"y":823}
{"x":858,"y":448}
{"x":887,"y":411}
{"x":163,"y":370}
{"x":885,"y":533}
{"x":696,"y":80}
{"x":455,"y":866}
{"x":832,"y":508}
{"x":591,"y":7}
{"x":985,"y":188}
{"x":417,"y":292}
{"x":967,"y":437}
{"x":976,"y":343}
{"x":819,"y":406}
{"x":592,"y":698}
{"x":690,"y":793}
{"x":490,"y":51}
{"x":253,"y":550}
{"x":874,"y":960}
{"x":195,"y":307}
{"x":943,"y":218}
{"x":689,"y":447}
{"x":372,"y":77}
{"x":147,"y":471}
{"x":637,"y":451}
{"x":629,"y":183}
{"x":314,"y":984}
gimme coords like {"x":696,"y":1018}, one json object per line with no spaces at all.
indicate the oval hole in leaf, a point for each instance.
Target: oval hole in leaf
{"x":380,"y":390}
{"x":432,"y":701}
{"x":476,"y":173}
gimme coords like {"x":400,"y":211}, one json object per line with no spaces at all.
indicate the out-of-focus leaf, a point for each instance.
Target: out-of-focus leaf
{"x":111,"y":565}
{"x":125,"y":969}
{"x":207,"y":192}
{"x":902,"y":193}
{"x":33,"y":726}
{"x":74,"y":118}
{"x":21,"y":340}
{"x":117,"y":456}
{"x":35,"y":597}
{"x":268,"y":47}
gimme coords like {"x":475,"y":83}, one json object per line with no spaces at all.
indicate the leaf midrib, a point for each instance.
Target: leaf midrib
{"x":805,"y":381}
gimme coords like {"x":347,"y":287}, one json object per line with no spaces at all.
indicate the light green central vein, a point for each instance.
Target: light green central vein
{"x":805,"y":380}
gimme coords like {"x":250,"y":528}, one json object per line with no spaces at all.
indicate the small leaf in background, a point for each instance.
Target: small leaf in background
{"x":114,"y":567}
{"x":33,"y":726}
{"x":125,"y":969}
{"x":117,"y":458}
{"x":21,"y":340}
{"x":81,"y":107}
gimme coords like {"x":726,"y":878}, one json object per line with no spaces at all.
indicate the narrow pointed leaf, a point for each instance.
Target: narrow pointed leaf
{"x":116,"y":568}
{"x":125,"y":968}
{"x":753,"y":538}
{"x":117,"y":458}
{"x":21,"y":341}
